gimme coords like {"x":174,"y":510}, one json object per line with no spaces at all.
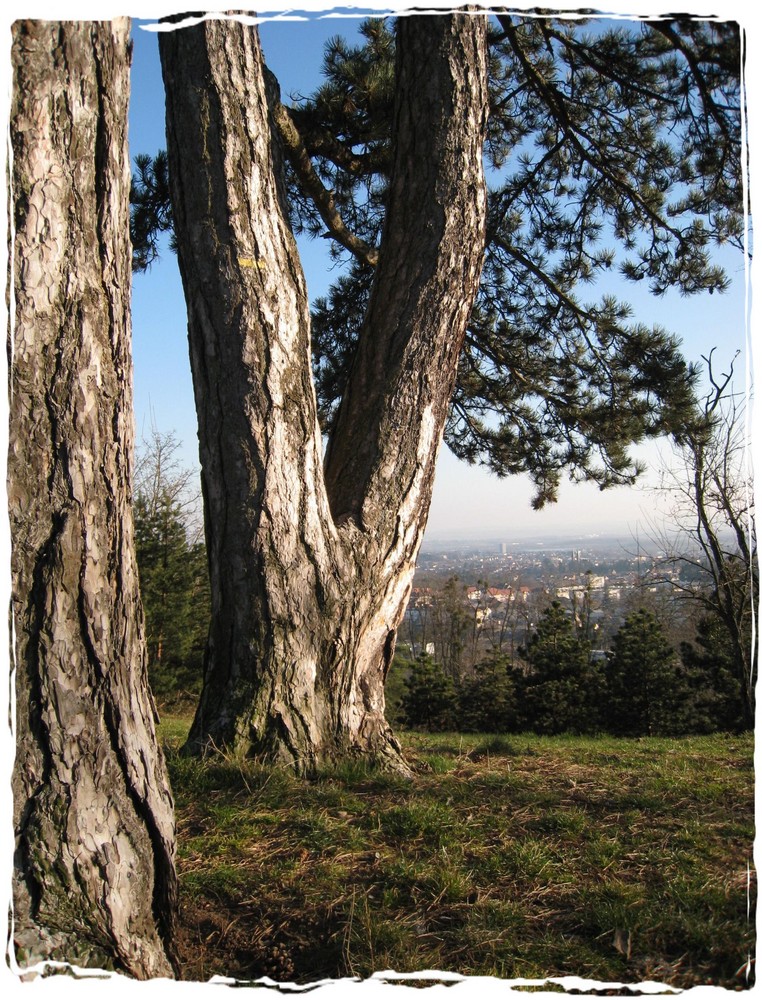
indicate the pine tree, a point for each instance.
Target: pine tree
{"x":647,"y":694}
{"x":488,"y":699}
{"x":94,"y":881}
{"x":311,"y":548}
{"x":461,"y":315}
{"x":628,"y":136}
{"x":174,"y":579}
{"x":562,"y":688}
{"x":174,"y":588}
{"x":716,"y":699}
{"x":430,"y":700}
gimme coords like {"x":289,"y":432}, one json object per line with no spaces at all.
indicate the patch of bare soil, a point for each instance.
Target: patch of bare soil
{"x":248,"y":942}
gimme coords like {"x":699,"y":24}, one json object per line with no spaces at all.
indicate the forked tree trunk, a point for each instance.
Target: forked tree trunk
{"x":94,"y":881}
{"x":311,"y":569}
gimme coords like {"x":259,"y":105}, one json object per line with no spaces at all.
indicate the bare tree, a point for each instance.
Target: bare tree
{"x":711,"y":544}
{"x":161,"y":479}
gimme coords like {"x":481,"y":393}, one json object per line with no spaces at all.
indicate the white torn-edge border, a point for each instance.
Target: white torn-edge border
{"x":81,"y":980}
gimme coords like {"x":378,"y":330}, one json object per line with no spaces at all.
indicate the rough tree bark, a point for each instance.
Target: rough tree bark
{"x":94,"y":881}
{"x":311,"y":565}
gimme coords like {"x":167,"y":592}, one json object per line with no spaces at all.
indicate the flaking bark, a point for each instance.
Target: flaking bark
{"x":311,"y":570}
{"x":94,"y":880}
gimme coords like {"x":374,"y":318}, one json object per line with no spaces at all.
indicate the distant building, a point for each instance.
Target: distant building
{"x":502,"y":594}
{"x":420,"y":597}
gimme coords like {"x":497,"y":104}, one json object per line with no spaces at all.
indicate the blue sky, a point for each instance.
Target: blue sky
{"x":467,"y":501}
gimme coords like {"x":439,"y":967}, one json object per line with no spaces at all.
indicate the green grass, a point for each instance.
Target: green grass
{"x":508,"y":856}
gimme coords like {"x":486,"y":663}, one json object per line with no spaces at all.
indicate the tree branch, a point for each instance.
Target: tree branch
{"x":311,"y":184}
{"x":318,"y":141}
{"x":555,"y":103}
{"x":710,"y":106}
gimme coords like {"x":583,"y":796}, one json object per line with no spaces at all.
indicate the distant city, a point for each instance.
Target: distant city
{"x":532,"y":542}
{"x":502,"y":586}
{"x":551,"y":554}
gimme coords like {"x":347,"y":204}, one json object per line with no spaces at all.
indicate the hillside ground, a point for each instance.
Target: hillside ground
{"x":613,"y":860}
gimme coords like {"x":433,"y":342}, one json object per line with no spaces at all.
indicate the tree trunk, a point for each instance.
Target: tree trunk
{"x":311,"y":569}
{"x":94,"y":880}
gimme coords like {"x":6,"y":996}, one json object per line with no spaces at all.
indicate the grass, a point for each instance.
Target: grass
{"x":521,"y":856}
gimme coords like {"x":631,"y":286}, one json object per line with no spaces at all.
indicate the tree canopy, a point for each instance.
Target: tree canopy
{"x":610,"y":149}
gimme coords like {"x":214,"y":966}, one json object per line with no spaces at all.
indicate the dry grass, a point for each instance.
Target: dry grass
{"x":611,"y":860}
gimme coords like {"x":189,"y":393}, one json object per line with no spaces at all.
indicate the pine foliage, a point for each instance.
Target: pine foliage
{"x":430,"y":700}
{"x":150,"y":209}
{"x":647,"y":693}
{"x":562,"y":689}
{"x":610,"y":149}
